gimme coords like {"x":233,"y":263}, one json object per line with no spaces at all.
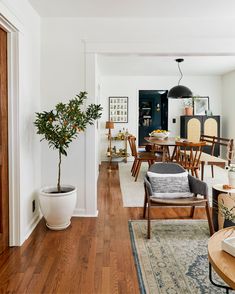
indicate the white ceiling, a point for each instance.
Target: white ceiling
{"x":164,"y":65}
{"x":148,"y":65}
{"x":135,"y":8}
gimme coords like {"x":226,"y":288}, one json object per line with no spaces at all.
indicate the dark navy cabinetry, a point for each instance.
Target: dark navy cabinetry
{"x":192,"y":126}
{"x":153,"y":112}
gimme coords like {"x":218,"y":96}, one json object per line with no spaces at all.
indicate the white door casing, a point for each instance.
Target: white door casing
{"x":12,"y":26}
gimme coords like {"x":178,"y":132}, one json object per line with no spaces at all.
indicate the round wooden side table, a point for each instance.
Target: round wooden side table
{"x":217,"y":193}
{"x":222,"y":262}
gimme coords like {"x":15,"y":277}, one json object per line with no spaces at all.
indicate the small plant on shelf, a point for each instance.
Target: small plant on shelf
{"x":188,"y":104}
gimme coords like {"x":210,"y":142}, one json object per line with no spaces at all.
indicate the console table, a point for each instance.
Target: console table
{"x":116,"y":153}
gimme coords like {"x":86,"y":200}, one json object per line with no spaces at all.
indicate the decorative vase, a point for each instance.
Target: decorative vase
{"x":57,"y":208}
{"x":231,"y":178}
{"x":188,"y":110}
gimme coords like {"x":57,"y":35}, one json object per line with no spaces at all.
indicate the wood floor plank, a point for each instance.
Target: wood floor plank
{"x":93,"y":256}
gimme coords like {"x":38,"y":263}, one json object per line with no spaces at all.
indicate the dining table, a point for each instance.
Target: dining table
{"x":171,"y":142}
{"x":165,"y":143}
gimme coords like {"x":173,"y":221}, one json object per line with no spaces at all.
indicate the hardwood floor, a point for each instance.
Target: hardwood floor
{"x":92,"y":256}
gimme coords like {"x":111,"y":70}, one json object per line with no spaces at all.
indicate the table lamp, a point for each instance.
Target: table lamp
{"x":110,"y":125}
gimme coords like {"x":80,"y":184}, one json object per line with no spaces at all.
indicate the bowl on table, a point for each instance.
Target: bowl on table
{"x":159,"y":134}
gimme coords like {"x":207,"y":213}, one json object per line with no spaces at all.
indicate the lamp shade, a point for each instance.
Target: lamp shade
{"x":109,"y":125}
{"x":179,"y":92}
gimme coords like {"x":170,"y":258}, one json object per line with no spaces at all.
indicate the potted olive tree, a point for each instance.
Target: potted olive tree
{"x":59,"y":127}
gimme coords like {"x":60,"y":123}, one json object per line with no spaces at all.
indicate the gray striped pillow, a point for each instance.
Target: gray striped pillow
{"x":169,"y":185}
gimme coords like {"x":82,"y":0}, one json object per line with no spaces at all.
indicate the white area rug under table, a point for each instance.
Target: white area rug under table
{"x":133,"y":192}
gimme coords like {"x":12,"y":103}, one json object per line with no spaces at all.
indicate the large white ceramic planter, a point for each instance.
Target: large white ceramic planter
{"x":57,"y":208}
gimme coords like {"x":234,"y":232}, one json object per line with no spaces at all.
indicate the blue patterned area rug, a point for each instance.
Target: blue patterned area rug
{"x":174,"y":260}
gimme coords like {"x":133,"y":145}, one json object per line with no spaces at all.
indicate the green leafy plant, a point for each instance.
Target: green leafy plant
{"x":60,"y":126}
{"x":227,"y":213}
{"x":189,"y":102}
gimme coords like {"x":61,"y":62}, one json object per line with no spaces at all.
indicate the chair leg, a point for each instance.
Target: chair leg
{"x":202,"y":170}
{"x":149,"y":225}
{"x":192,"y":211}
{"x":212,"y":171}
{"x":196,"y":173}
{"x":134,"y":167}
{"x":209,"y":218}
{"x":137,"y":170}
{"x":145,"y":203}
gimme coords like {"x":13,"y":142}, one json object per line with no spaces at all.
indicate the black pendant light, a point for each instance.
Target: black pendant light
{"x":179,"y":91}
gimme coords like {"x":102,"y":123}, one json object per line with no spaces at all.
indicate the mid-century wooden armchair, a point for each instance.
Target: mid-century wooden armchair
{"x":199,"y":190}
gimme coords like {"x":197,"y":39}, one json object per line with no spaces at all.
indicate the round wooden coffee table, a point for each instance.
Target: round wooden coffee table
{"x":222,"y":262}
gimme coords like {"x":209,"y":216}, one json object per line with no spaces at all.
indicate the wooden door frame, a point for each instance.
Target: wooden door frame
{"x":10,"y":25}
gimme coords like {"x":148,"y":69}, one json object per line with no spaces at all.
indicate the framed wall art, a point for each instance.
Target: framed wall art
{"x":118,"y":109}
{"x":201,"y":105}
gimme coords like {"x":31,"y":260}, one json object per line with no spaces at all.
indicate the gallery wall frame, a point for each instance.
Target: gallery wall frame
{"x":118,"y":109}
{"x":201,"y":105}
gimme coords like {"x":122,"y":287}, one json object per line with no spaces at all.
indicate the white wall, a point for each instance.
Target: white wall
{"x":62,"y":78}
{"x":27,"y":21}
{"x":63,"y":75}
{"x":202,"y":86}
{"x":63,"y":70}
{"x":130,"y":86}
{"x":228,"y":105}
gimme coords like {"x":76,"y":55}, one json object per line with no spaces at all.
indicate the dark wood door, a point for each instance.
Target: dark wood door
{"x":4,"y":194}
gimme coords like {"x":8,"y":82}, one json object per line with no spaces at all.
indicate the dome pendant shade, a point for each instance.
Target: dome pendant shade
{"x":179,"y":92}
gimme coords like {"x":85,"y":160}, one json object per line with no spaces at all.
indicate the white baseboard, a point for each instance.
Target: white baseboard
{"x":82,"y":213}
{"x":32,"y":225}
{"x":35,"y":220}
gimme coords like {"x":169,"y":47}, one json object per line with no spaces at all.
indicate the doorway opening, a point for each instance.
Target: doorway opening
{"x":153,"y":112}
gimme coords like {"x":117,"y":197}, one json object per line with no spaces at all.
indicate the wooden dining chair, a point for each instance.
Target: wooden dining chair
{"x":140,"y":157}
{"x":213,"y":144}
{"x":188,"y":155}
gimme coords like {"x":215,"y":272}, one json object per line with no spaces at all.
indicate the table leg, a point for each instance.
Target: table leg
{"x":173,"y":154}
{"x":164,"y":149}
{"x":168,"y":153}
{"x":215,"y":284}
{"x":125,"y":140}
